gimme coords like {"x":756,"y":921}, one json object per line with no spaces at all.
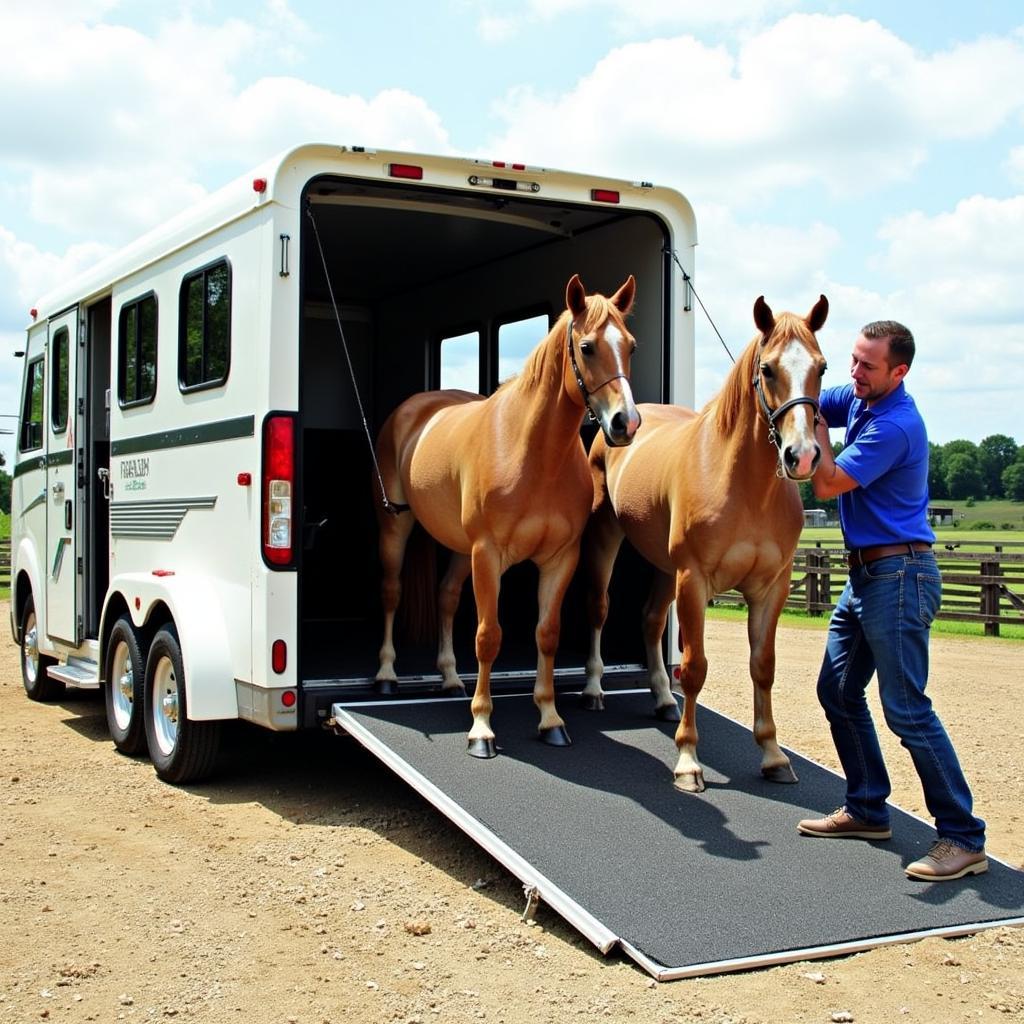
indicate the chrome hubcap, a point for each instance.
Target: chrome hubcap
{"x":31,"y":650}
{"x":165,"y":706}
{"x":123,"y":687}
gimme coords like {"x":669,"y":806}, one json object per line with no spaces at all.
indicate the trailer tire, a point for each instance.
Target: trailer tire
{"x":38,"y":685}
{"x":181,"y":750}
{"x":125,"y":675}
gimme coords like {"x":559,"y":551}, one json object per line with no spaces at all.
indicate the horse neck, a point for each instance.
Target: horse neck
{"x":547,"y":418}
{"x":739,"y":429}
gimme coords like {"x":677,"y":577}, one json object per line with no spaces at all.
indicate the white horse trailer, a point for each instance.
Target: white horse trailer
{"x":192,"y":526}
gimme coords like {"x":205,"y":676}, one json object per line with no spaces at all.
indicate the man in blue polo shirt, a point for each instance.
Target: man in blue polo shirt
{"x":882,"y":620}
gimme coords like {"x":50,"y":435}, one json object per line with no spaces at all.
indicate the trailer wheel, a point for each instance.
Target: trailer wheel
{"x":181,"y":750}
{"x":38,"y":685}
{"x":124,"y":690}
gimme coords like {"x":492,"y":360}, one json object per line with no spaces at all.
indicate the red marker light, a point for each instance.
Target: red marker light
{"x":410,"y":171}
{"x":604,"y":195}
{"x":288,"y":698}
{"x":259,"y":185}
{"x":279,"y":657}
{"x":245,"y":479}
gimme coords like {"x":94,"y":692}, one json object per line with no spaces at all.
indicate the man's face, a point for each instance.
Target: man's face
{"x":872,"y":376}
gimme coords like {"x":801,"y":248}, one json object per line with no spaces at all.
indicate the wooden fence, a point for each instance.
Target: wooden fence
{"x":5,"y":563}
{"x":984,"y":586}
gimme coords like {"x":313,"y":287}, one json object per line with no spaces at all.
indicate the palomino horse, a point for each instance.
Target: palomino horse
{"x":504,"y":479}
{"x":709,"y":500}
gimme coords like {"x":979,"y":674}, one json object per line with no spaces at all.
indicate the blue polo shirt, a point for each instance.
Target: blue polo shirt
{"x":887,"y":454}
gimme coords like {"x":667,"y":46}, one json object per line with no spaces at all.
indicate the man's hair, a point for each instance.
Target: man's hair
{"x":901,"y":341}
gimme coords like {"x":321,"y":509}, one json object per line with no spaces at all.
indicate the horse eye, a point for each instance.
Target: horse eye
{"x":768,"y":372}
{"x":587,"y":348}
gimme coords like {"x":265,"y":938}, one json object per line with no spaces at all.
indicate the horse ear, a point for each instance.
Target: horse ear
{"x":764,"y":318}
{"x":817,"y":316}
{"x":622,"y":300}
{"x":575,"y":296}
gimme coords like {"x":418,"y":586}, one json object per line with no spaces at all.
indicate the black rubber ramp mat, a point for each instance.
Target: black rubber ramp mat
{"x":686,"y":884}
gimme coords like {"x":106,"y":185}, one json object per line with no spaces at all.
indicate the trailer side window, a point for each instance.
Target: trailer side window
{"x":59,"y":380}
{"x":204,"y":341}
{"x":32,"y":408}
{"x":136,"y":352}
{"x":516,"y":340}
{"x":460,"y":361}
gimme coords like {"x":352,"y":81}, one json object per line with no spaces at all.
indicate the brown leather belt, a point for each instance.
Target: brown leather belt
{"x":861,"y":556}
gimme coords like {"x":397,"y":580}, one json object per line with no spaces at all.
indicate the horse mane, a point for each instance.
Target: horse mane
{"x":734,"y":396}
{"x":544,"y":360}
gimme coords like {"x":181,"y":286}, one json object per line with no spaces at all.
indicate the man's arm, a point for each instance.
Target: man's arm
{"x":829,"y":480}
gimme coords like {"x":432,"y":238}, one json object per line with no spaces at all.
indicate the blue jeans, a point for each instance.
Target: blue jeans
{"x":881,"y":624}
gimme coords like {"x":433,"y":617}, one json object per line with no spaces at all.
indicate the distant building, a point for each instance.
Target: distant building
{"x":940,"y":515}
{"x":815,"y":517}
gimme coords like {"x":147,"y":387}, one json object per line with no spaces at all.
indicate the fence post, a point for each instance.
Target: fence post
{"x":811,"y":595}
{"x":990,"y":596}
{"x":825,"y":586}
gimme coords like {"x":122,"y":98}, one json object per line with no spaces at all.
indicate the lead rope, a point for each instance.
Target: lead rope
{"x":391,"y":507}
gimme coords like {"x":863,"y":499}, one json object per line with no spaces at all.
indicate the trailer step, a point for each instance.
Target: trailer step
{"x":685,"y":885}
{"x":82,"y":673}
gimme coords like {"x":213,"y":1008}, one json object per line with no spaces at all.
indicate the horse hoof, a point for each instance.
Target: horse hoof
{"x":780,"y":773}
{"x":483,"y":749}
{"x":689,"y":783}
{"x":668,"y":713}
{"x":555,"y":736}
{"x":590,"y":702}
{"x":385,"y":687}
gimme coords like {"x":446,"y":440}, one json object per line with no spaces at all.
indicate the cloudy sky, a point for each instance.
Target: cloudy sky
{"x":870,"y":151}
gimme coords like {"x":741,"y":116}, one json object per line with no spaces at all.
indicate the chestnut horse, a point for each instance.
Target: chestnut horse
{"x":709,"y":500}
{"x":504,"y":479}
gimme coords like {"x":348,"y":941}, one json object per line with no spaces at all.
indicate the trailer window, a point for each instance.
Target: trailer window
{"x":31,"y":436}
{"x":516,"y":340}
{"x":460,"y":361}
{"x":59,"y":381}
{"x":204,"y":343}
{"x":136,"y":352}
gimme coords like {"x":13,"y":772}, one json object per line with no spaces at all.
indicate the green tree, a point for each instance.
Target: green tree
{"x":963,"y":476}
{"x":1013,"y":480}
{"x":936,"y":472}
{"x":5,"y":489}
{"x":997,"y":452}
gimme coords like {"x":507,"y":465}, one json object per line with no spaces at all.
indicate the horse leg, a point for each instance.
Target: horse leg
{"x":555,"y":575}
{"x":601,"y":542}
{"x":655,"y":614}
{"x":690,"y":602}
{"x":762,"y":620}
{"x":486,"y":565}
{"x":448,"y":603}
{"x":394,"y":535}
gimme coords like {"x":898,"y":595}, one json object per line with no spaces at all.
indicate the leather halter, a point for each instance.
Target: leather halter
{"x":591,"y":415}
{"x":771,"y":415}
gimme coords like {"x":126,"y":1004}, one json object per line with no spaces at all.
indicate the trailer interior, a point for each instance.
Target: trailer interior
{"x":437,"y":288}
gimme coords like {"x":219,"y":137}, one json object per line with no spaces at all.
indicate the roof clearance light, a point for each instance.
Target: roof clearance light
{"x":604,"y":195}
{"x":410,"y":171}
{"x":259,"y":185}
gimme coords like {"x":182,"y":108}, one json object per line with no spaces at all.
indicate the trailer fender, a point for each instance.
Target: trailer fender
{"x":195,"y":604}
{"x":24,"y":563}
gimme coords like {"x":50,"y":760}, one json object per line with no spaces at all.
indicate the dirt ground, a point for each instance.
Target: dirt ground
{"x":306,"y":885}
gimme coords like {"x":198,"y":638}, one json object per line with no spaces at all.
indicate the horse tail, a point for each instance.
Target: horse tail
{"x":417,"y":614}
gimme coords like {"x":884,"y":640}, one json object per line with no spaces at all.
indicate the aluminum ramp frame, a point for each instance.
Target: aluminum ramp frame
{"x":684,"y":884}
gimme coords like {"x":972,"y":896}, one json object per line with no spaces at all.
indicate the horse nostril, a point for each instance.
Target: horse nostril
{"x":792,"y":460}
{"x":618,"y":424}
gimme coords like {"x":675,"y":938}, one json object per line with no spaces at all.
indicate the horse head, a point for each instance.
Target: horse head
{"x":787,"y":371}
{"x":599,"y":350}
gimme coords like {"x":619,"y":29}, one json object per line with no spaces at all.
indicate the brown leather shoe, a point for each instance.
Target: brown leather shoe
{"x":946,"y":861}
{"x":840,"y":824}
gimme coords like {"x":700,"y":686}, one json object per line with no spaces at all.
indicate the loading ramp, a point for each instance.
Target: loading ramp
{"x":684,"y":884}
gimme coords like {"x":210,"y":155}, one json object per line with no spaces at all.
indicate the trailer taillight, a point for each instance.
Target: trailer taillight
{"x":604,"y":195}
{"x":278,"y":489}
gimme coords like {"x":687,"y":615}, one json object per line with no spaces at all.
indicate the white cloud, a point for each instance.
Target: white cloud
{"x":813,"y":99}
{"x":1015,"y":166}
{"x":112,"y":129}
